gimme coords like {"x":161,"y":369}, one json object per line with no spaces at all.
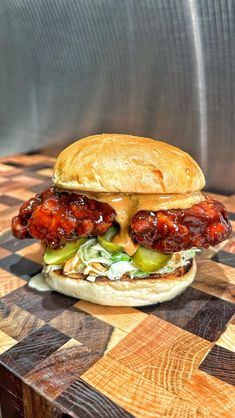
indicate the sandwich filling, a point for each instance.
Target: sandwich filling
{"x":92,"y":260}
{"x":120,"y":234}
{"x":127,"y":205}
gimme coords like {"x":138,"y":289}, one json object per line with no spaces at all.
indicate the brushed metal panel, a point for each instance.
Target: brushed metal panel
{"x":159,"y":68}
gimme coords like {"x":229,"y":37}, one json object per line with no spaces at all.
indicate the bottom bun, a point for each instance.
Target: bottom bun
{"x":133,"y":292}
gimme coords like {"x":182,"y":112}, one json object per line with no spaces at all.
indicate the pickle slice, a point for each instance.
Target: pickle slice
{"x":61,"y":255}
{"x":108,"y":245}
{"x":148,"y":260}
{"x":105,"y":240}
{"x":110,"y":233}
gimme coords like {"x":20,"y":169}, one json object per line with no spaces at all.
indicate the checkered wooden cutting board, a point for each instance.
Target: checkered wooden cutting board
{"x":61,"y":357}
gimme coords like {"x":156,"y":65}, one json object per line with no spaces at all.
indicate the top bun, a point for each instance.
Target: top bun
{"x":126,"y":164}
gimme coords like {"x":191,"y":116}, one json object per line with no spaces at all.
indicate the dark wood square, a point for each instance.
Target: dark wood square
{"x":15,"y":244}
{"x":85,"y":328}
{"x":20,"y":266}
{"x":45,"y":305}
{"x":82,"y":400}
{"x":25,"y":355}
{"x":220,"y":363}
{"x":224,"y":257}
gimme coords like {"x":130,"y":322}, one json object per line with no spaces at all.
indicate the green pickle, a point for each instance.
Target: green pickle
{"x":105,"y":240}
{"x":148,"y":260}
{"x":61,"y":255}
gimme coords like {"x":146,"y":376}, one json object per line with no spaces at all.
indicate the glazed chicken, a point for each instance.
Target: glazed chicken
{"x":55,"y":217}
{"x":204,"y":224}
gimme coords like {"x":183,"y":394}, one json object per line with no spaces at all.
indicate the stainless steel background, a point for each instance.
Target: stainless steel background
{"x":160,"y":68}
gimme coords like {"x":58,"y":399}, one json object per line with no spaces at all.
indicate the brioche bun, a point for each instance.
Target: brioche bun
{"x":119,"y":163}
{"x":132,"y":292}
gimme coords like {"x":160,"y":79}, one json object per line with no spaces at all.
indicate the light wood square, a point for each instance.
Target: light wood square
{"x":9,"y":282}
{"x":124,"y":318}
{"x":217,"y":279}
{"x":162,"y":353}
{"x":141,"y":397}
{"x":214,"y":395}
{"x":34,"y":252}
{"x":6,"y":342}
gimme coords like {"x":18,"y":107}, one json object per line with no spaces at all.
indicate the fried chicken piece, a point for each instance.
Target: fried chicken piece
{"x":202,"y":225}
{"x":55,"y":217}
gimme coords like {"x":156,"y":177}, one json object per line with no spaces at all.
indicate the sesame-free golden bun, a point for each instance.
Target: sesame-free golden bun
{"x":132,"y":292}
{"x":119,"y":163}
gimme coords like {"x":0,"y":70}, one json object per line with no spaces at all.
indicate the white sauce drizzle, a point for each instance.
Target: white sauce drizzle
{"x":38,"y":282}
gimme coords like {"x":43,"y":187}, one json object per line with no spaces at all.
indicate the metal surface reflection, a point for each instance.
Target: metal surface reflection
{"x":159,"y":68}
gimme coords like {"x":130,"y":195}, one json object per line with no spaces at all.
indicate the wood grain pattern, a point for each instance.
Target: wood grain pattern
{"x":215,"y":279}
{"x":44,"y":305}
{"x":210,"y":393}
{"x":9,"y":282}
{"x":69,"y":344}
{"x":10,"y":381}
{"x":124,"y":318}
{"x":6,"y":342}
{"x":166,"y":355}
{"x":33,"y":349}
{"x":14,"y":245}
{"x":6,"y":216}
{"x":230,"y":246}
{"x":38,"y":406}
{"x":227,"y":339}
{"x":182,"y":408}
{"x":33,"y":252}
{"x":82,"y":400}
{"x":10,"y":394}
{"x":77,"y":359}
{"x":16,"y":322}
{"x":3,"y":252}
{"x":116,"y":336}
{"x":181,"y":309}
{"x":140,"y":396}
{"x":58,"y":371}
{"x":11,"y":406}
{"x":220,"y":363}
{"x":90,"y":331}
{"x":22,"y":267}
{"x":211,"y":319}
{"x":224,"y":257}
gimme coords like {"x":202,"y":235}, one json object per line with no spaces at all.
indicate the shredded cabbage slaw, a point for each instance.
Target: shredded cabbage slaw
{"x":94,"y":260}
